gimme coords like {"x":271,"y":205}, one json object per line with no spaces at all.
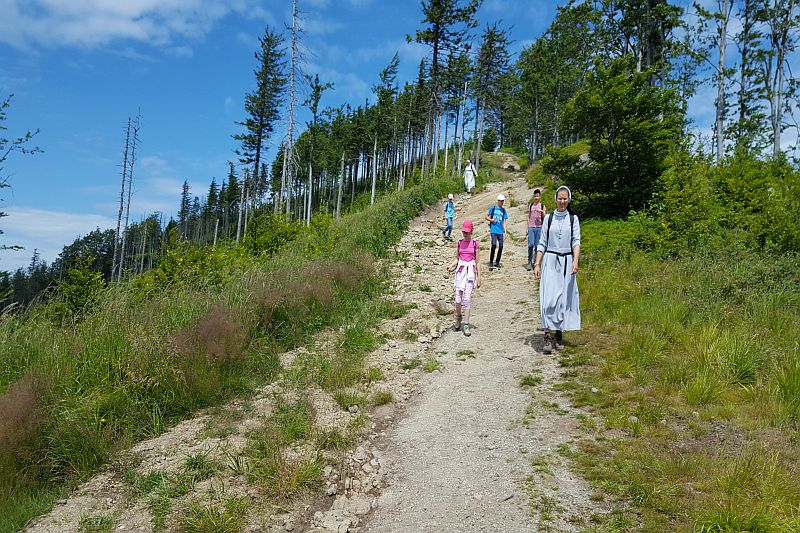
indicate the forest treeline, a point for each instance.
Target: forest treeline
{"x":600,"y":102}
{"x":620,"y":74}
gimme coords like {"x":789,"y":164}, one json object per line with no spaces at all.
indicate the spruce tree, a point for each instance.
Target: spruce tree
{"x":262,"y":106}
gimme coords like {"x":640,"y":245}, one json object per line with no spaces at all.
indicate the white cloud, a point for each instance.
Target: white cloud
{"x":182,"y":51}
{"x":411,"y":53}
{"x":228,"y":104}
{"x":44,"y":230}
{"x":250,"y":41}
{"x":319,"y":25}
{"x":30,"y":24}
{"x":347,"y":83}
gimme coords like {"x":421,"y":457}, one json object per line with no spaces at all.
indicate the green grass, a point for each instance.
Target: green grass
{"x":103,"y":523}
{"x":381,"y":397}
{"x":230,"y":517}
{"x":346,"y":399}
{"x":531,"y":380}
{"x":162,"y":489}
{"x":706,"y":358}
{"x":412,"y":363}
{"x":374,"y":374}
{"x":151,"y":354}
{"x":431,"y":364}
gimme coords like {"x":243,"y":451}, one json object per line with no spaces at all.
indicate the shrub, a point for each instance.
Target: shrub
{"x":268,"y":233}
{"x":22,"y":414}
{"x":489,"y":141}
{"x":631,"y":127}
{"x":79,"y":291}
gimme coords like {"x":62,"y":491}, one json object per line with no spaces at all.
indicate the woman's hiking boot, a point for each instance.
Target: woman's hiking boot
{"x":559,"y":341}
{"x":548,"y":343}
{"x":457,"y":325}
{"x":528,"y":267}
{"x":466,"y":329}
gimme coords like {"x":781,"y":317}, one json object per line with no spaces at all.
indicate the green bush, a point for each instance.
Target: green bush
{"x":268,"y":233}
{"x":207,"y":323}
{"x":80,"y":289}
{"x":489,"y":141}
{"x":761,"y":198}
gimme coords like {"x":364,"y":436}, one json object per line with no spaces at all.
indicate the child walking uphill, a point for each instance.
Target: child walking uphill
{"x":468,"y":276}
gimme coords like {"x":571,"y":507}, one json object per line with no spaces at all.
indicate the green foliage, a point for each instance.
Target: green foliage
{"x":231,"y":518}
{"x":268,"y":233}
{"x":489,"y":141}
{"x":709,"y":331}
{"x":745,"y":203}
{"x":630,"y":126}
{"x":80,"y":290}
{"x":763,"y":199}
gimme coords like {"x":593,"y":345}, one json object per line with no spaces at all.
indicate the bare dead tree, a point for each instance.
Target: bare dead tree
{"x":115,"y":264}
{"x":132,"y":160}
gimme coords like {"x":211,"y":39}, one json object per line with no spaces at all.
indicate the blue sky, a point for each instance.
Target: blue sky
{"x":80,"y":68}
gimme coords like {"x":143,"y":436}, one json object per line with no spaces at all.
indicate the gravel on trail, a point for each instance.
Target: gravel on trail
{"x":462,"y":448}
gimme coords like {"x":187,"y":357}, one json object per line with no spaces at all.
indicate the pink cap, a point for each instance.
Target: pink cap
{"x":466,"y":227}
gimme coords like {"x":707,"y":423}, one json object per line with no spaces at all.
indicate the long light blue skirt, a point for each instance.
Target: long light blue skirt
{"x":558,"y":294}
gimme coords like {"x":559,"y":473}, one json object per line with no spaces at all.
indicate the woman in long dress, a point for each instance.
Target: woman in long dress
{"x":469,"y":176}
{"x":557,"y":257}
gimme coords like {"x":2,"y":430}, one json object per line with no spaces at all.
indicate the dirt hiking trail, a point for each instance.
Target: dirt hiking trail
{"x":462,"y":448}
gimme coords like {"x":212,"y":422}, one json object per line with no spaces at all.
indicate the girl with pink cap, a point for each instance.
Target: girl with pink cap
{"x":468,"y":276}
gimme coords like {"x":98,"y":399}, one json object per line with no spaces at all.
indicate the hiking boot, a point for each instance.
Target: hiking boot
{"x":548,"y":343}
{"x":457,"y":325}
{"x":528,"y":267}
{"x":559,"y":341}
{"x":498,"y":265}
{"x":491,"y":266}
{"x":466,"y":329}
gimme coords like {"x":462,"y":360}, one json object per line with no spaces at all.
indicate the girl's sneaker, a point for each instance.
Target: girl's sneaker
{"x":457,"y":325}
{"x":466,"y":329}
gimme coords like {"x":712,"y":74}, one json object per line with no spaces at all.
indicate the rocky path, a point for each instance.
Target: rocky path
{"x":476,"y":451}
{"x":462,"y":446}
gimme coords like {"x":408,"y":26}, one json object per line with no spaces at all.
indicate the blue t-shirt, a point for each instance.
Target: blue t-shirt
{"x":449,"y":210}
{"x":500,"y":214}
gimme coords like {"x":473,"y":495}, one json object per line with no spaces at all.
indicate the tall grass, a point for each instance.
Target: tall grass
{"x":710,"y":341}
{"x":151,"y":354}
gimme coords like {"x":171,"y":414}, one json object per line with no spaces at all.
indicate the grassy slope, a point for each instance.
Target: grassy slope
{"x":696,"y":367}
{"x":133,"y":367}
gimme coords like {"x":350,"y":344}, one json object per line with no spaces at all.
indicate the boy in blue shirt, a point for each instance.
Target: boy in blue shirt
{"x":449,"y":214}
{"x":497,"y":217}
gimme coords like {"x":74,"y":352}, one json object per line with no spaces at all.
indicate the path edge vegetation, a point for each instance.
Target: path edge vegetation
{"x":690,"y":357}
{"x":208,"y":324}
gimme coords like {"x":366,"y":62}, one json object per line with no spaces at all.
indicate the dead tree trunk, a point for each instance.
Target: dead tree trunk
{"x":115,"y":263}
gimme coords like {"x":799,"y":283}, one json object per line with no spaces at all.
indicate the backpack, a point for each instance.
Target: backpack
{"x":502,"y":209}
{"x":530,"y":208}
{"x":550,"y":223}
